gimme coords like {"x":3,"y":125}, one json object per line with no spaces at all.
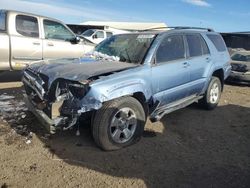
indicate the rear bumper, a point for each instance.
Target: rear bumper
{"x":47,"y":122}
{"x":227,"y":71}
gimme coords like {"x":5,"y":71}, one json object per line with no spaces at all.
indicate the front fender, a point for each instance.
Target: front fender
{"x":118,"y":85}
{"x":103,"y":93}
{"x":128,"y":88}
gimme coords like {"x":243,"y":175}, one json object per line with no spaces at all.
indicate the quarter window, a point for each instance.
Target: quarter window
{"x":27,"y":26}
{"x":194,"y":45}
{"x":55,"y":30}
{"x":171,"y":48}
{"x":218,"y":42}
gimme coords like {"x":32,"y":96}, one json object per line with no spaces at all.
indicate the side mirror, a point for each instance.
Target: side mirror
{"x":75,"y":40}
{"x":94,"y":36}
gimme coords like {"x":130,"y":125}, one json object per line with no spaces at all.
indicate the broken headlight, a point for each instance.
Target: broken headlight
{"x":66,"y":89}
{"x":78,"y":90}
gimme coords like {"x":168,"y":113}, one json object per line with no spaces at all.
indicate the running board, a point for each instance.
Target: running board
{"x":159,"y":113}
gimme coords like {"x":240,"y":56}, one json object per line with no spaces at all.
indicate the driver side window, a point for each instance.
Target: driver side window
{"x":55,"y":30}
{"x":171,"y":48}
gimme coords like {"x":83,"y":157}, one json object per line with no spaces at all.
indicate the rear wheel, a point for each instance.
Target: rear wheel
{"x":212,"y":95}
{"x":119,"y":123}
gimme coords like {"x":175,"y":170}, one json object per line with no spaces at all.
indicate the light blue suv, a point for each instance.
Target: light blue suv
{"x":126,"y":79}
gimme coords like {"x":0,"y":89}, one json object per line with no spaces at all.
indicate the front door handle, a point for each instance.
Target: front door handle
{"x":50,"y":44}
{"x":186,"y":64}
{"x":208,"y":59}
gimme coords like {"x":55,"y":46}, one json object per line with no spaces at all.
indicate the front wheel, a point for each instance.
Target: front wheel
{"x":212,"y":95}
{"x":119,"y":123}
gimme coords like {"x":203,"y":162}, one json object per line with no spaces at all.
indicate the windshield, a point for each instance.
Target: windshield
{"x":241,"y":57}
{"x":130,"y":48}
{"x":88,"y":32}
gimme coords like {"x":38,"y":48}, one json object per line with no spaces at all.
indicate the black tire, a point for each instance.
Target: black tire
{"x":206,"y":102}
{"x":101,"y":123}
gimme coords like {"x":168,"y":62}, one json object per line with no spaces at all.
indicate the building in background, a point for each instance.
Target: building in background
{"x":114,"y":26}
{"x":97,"y":31}
{"x":237,"y":40}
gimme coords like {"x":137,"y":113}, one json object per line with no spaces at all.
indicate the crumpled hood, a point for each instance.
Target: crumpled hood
{"x":77,"y":69}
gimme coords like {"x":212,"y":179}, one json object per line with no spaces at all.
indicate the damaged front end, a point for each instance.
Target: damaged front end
{"x":59,"y":105}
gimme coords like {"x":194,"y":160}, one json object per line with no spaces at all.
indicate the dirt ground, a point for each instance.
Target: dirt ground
{"x":188,"y":148}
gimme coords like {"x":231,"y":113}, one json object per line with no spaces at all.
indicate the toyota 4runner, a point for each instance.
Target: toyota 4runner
{"x":127,"y":78}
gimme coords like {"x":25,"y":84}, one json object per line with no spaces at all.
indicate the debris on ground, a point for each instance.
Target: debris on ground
{"x":33,"y":167}
{"x":29,"y":138}
{"x":188,"y":148}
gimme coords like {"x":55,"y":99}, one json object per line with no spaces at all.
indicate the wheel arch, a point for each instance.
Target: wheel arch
{"x":142,"y":99}
{"x":219,"y":73}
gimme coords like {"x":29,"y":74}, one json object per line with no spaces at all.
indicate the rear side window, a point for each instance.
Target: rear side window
{"x":218,"y":42}
{"x":99,"y":34}
{"x":2,"y":21}
{"x":171,"y":48}
{"x":205,"y":49}
{"x":194,"y":45}
{"x":27,"y":26}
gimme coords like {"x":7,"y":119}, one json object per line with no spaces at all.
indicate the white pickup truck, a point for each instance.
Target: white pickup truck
{"x":25,"y":38}
{"x":96,"y":35}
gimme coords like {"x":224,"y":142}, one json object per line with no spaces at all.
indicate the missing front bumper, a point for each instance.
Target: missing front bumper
{"x":47,"y":122}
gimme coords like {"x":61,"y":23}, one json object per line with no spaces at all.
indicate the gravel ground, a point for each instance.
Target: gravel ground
{"x":188,"y":148}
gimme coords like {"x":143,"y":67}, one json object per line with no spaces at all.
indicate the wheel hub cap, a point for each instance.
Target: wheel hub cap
{"x":123,"y":125}
{"x":214,"y":93}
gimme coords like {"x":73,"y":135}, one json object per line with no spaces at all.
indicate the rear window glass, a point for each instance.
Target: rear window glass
{"x":218,"y":42}
{"x":2,"y":21}
{"x":194,"y":45}
{"x":27,"y":26}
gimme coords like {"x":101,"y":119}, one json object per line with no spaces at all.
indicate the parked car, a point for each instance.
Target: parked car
{"x":96,"y":35}
{"x":240,"y":67}
{"x":127,"y":78}
{"x":233,"y":50}
{"x":26,"y":38}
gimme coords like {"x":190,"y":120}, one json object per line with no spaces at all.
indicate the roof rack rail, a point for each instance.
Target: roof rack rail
{"x":180,"y":27}
{"x":186,"y":27}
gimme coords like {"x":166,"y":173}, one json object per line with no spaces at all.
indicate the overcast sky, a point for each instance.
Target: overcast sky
{"x":222,"y":15}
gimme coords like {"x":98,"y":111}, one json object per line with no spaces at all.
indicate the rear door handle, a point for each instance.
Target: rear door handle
{"x":208,"y":59}
{"x":50,"y":44}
